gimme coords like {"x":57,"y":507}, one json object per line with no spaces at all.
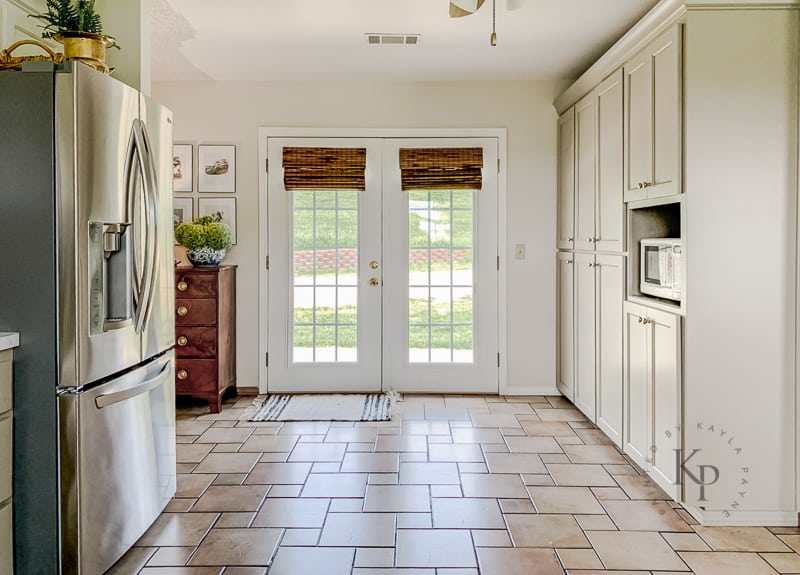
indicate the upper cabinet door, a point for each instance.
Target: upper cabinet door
{"x":609,"y":226}
{"x":566,"y":180}
{"x":585,"y":171}
{"x":653,"y":119}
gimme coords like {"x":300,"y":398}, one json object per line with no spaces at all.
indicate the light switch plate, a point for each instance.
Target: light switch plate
{"x":519,"y":252}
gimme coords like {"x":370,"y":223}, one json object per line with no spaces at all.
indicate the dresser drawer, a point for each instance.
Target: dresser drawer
{"x":5,"y":380}
{"x":200,"y":375}
{"x":6,"y":541}
{"x":6,"y":464}
{"x":195,"y":312}
{"x":195,"y":285}
{"x":196,"y":341}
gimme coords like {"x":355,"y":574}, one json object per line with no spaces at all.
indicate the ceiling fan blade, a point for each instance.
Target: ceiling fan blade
{"x":514,"y":4}
{"x":460,"y":8}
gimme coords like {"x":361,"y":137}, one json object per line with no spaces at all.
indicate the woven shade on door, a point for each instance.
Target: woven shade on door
{"x":441,"y":168}
{"x":324,"y":168}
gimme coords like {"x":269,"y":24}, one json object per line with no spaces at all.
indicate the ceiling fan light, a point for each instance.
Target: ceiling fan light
{"x":459,"y":8}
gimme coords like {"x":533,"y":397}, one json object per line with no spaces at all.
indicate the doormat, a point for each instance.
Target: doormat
{"x":321,"y":407}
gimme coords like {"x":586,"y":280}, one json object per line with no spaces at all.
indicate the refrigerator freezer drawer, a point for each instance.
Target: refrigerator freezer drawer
{"x":117,"y":464}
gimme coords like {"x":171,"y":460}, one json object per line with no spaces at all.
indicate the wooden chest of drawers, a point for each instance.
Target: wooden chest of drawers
{"x":205,"y":332}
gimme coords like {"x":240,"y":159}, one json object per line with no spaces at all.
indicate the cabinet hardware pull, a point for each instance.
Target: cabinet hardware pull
{"x":183,"y":340}
{"x":182,"y":286}
{"x":373,"y":282}
{"x":183,"y":374}
{"x":641,"y":319}
{"x":570,"y":240}
{"x":569,"y":261}
{"x":373,"y":265}
{"x":183,"y":310}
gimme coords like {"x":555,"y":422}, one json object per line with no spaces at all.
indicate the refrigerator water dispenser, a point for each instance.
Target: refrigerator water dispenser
{"x":111,"y":305}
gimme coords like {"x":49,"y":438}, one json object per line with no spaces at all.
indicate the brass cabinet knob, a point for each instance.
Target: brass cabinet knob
{"x":373,"y":265}
{"x":182,"y":286}
{"x":183,"y":374}
{"x":373,"y":281}
{"x":183,"y":310}
{"x":183,"y":340}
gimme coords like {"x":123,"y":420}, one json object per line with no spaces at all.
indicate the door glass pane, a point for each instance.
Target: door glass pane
{"x":325,"y":277}
{"x":441,"y":234}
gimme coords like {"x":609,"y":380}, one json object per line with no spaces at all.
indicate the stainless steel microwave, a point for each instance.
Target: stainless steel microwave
{"x":660,"y":273}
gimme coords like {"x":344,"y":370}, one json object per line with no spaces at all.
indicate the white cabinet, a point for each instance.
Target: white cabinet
{"x":653,"y":119}
{"x":566,"y":180}
{"x":609,"y":297}
{"x":652,"y":377}
{"x":565,"y":325}
{"x":609,"y":211}
{"x":585,"y":172}
{"x":585,"y":336}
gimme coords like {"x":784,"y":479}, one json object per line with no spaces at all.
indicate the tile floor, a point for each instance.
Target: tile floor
{"x":451,"y":486}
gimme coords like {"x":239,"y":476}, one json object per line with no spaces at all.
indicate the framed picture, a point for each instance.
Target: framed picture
{"x":182,"y":211}
{"x":227,"y":206}
{"x":182,"y":168}
{"x":216,"y":170}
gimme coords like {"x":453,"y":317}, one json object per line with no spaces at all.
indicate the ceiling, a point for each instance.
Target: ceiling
{"x":302,"y":40}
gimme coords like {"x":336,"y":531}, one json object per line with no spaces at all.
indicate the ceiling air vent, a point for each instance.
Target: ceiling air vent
{"x":396,"y":39}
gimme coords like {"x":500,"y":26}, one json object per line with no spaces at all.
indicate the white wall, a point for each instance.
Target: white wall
{"x":231,"y":113}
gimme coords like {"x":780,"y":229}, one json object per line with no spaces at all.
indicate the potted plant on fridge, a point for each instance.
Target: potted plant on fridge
{"x":206,"y":240}
{"x":79,"y":28}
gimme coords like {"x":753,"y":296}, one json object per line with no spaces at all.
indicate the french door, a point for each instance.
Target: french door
{"x":382,"y":288}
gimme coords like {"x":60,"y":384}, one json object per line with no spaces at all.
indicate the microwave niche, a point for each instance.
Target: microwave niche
{"x":660,"y":270}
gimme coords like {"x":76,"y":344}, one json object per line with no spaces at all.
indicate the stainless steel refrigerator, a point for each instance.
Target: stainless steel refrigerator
{"x":86,"y":278}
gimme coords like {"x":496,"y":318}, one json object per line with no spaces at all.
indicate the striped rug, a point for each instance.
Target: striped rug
{"x":322,"y":407}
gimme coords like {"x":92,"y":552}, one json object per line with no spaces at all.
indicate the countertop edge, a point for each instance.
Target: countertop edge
{"x":8,"y":340}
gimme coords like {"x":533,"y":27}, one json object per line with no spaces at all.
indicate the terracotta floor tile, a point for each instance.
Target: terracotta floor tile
{"x":278,"y":473}
{"x":515,"y":408}
{"x":401,"y":443}
{"x":323,"y":452}
{"x":565,"y":500}
{"x":593,"y":437}
{"x":300,"y":537}
{"x":542,"y":530}
{"x":726,"y":563}
{"x":351,"y":435}
{"x":131,"y":562}
{"x":231,"y":498}
{"x":358,"y":530}
{"x":580,"y":474}
{"x":335,"y":485}
{"x":176,"y":571}
{"x":495,"y":420}
{"x":645,"y":516}
{"x":593,"y":454}
{"x":426,"y":428}
{"x":533,"y":445}
{"x":491,"y":538}
{"x":303,"y":513}
{"x":434,"y":548}
{"x":609,"y":493}
{"x":579,"y":559}
{"x":414,"y":521}
{"x":225,"y":435}
{"x":635,"y":550}
{"x":685,"y":542}
{"x":466,"y":402}
{"x":499,"y":561}
{"x":312,"y":561}
{"x":493,"y":485}
{"x":537,"y":479}
{"x":305,"y":428}
{"x":227,"y":463}
{"x":423,"y":473}
{"x":472,"y":468}
{"x":465,"y":452}
{"x":477,"y":435}
{"x":192,"y":453}
{"x":170,"y":557}
{"x":516,"y":506}
{"x":234,"y":519}
{"x":191,"y":427}
{"x":178,"y":530}
{"x":179,"y":505}
{"x":547,"y":428}
{"x":193,"y":484}
{"x":446,"y":414}
{"x":792,"y":541}
{"x":442,"y":491}
{"x":783,"y":562}
{"x":397,"y":498}
{"x":375,"y":557}
{"x":595,"y":523}
{"x":560,"y":415}
{"x":467,"y":513}
{"x":515,"y":463}
{"x":640,"y":487}
{"x":371,"y":463}
{"x":383,"y":479}
{"x":269,"y":443}
{"x":741,"y":539}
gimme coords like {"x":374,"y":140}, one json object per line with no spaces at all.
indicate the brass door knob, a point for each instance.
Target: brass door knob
{"x":183,"y":374}
{"x":182,"y":286}
{"x":373,"y":281}
{"x":183,"y":340}
{"x":183,"y":310}
{"x":373,"y":265}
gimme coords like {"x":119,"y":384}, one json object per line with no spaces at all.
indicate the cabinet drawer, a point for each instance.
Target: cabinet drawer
{"x":6,"y":541}
{"x":196,"y":312}
{"x":195,"y":285}
{"x":5,"y":380}
{"x":200,"y":376}
{"x":196,"y":341}
{"x":6,"y":445}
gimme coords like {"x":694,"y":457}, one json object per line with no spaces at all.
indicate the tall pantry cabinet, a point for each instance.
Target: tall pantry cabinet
{"x":710,"y":155}
{"x":591,"y":257}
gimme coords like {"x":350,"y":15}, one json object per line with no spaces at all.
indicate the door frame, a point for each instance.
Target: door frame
{"x":264,"y":133}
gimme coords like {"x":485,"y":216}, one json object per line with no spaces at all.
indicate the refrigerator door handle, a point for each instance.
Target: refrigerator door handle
{"x":130,"y":177}
{"x":151,"y":194}
{"x":105,"y":400}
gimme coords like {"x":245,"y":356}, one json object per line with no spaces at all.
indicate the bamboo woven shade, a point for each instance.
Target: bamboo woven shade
{"x":324,"y":168}
{"x":441,"y":168}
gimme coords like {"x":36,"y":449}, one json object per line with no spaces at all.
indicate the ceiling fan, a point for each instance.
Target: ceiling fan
{"x":459,"y":8}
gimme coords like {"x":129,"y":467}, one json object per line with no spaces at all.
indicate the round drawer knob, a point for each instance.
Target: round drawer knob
{"x":183,"y":374}
{"x":182,"y":286}
{"x":183,"y":340}
{"x":183,"y":310}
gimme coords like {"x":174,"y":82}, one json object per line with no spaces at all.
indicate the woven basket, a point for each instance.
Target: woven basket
{"x":9,"y":62}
